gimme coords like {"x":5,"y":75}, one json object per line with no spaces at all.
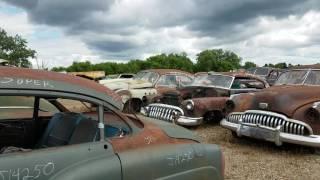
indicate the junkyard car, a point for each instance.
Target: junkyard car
{"x":288,"y":112}
{"x":44,"y":136}
{"x":147,"y":84}
{"x":202,"y":100}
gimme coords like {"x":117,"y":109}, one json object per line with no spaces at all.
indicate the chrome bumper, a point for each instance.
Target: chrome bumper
{"x":189,"y":121}
{"x":270,"y":134}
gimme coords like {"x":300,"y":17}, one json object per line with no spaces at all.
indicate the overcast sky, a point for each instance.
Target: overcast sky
{"x":262,"y":31}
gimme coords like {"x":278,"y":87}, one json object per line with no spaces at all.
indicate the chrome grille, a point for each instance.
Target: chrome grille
{"x":163,"y":112}
{"x":272,"y":120}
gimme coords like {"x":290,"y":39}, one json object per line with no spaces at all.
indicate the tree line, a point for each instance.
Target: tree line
{"x":207,"y":60}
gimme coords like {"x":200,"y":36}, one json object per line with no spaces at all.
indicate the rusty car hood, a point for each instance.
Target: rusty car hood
{"x":116,"y":84}
{"x":197,"y":92}
{"x":285,"y":99}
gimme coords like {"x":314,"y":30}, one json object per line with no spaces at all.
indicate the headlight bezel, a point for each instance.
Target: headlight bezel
{"x":189,"y":105}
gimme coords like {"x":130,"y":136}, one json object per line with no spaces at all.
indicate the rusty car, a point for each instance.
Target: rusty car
{"x":58,"y":126}
{"x":138,"y":91}
{"x":288,"y":112}
{"x":203,"y":100}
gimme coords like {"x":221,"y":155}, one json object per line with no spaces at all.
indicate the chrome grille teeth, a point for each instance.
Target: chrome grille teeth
{"x":162,"y":113}
{"x":257,"y":117}
{"x":273,"y":123}
{"x":268,"y":120}
{"x":291,"y":127}
{"x":285,"y":126}
{"x":265,"y":120}
{"x":252,"y":119}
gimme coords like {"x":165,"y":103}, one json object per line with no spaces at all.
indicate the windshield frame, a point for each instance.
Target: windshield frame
{"x":153,"y":83}
{"x":214,"y":86}
{"x":308,"y":71}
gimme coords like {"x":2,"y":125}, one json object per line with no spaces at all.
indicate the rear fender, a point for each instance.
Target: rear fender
{"x":184,"y":161}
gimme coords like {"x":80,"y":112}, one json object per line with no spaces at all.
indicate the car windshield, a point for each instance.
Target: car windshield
{"x":292,"y":77}
{"x":261,"y":71}
{"x":216,"y":80}
{"x":147,"y":76}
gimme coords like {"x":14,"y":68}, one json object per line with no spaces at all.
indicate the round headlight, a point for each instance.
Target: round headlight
{"x":189,"y":105}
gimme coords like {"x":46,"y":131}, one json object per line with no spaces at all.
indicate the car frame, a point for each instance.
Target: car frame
{"x":148,"y":149}
{"x":285,"y":113}
{"x":192,"y":109}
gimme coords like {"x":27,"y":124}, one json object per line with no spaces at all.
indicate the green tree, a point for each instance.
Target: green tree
{"x":282,"y":65}
{"x":170,"y":61}
{"x":217,"y":60}
{"x":59,"y":69}
{"x":80,"y":67}
{"x":15,"y":50}
{"x":249,"y":64}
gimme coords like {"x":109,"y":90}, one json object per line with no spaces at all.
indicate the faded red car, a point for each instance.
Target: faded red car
{"x":288,"y":112}
{"x":202,"y":100}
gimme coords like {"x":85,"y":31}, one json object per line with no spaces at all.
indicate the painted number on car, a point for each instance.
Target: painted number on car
{"x":35,"y":172}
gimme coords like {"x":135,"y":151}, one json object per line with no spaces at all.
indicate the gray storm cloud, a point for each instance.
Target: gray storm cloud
{"x":109,"y":26}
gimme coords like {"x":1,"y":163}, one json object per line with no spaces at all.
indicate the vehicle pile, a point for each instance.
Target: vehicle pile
{"x":55,"y":125}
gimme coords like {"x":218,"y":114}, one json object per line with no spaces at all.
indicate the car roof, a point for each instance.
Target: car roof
{"x":243,"y":75}
{"x":30,"y":79}
{"x":310,"y":66}
{"x":167,"y":71}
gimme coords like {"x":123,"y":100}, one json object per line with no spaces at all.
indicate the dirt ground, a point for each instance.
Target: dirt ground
{"x":252,"y":159}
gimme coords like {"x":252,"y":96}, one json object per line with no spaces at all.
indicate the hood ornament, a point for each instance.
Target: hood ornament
{"x":263,"y":105}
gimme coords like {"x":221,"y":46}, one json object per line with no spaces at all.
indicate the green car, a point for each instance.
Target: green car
{"x":57,"y":126}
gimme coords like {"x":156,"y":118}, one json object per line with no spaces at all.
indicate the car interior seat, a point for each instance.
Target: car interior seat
{"x":68,"y":128}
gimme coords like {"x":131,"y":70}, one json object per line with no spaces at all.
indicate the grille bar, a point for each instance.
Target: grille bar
{"x":163,"y":112}
{"x":270,"y":120}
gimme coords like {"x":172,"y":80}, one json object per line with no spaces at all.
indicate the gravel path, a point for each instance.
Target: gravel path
{"x":252,"y":159}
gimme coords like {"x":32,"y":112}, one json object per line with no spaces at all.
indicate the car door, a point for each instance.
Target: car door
{"x":94,"y":160}
{"x":172,"y":162}
{"x":87,"y":159}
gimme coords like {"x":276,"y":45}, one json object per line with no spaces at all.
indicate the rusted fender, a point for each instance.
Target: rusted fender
{"x":203,"y":105}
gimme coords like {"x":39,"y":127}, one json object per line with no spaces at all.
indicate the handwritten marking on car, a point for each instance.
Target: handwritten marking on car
{"x":28,"y":173}
{"x":180,"y":158}
{"x":148,"y":139}
{"x":22,"y":81}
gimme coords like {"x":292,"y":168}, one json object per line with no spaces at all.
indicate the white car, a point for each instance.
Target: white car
{"x":146,"y":84}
